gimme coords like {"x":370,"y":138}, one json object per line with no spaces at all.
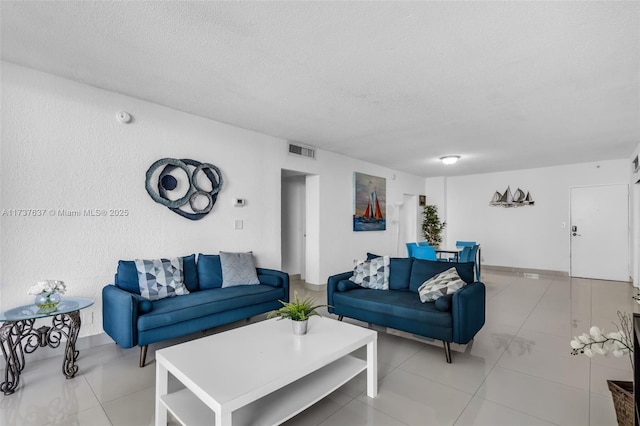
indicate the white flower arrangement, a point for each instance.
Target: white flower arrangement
{"x":618,"y":342}
{"x":48,"y":286}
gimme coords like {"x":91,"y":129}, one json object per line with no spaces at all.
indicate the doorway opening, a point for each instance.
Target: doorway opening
{"x":300,"y":224}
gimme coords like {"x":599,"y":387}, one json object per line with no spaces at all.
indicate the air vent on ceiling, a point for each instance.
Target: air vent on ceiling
{"x":302,"y":151}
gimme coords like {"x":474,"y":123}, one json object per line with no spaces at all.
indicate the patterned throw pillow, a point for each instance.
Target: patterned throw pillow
{"x":160,"y":278}
{"x":238,"y":269}
{"x":447,"y":282}
{"x":372,"y":273}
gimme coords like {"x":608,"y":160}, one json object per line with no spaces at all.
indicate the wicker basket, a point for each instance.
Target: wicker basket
{"x":622,"y":393}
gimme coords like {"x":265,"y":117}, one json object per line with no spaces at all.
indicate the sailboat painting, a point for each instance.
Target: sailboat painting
{"x":370,"y":202}
{"x":507,"y":199}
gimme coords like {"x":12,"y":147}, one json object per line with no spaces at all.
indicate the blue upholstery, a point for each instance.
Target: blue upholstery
{"x":130,"y":320}
{"x":271,"y":280}
{"x":210,"y":271}
{"x":465,"y":243}
{"x":443,"y":303}
{"x":424,"y":244}
{"x":453,"y":318}
{"x":425,"y":252}
{"x":422,"y":270}
{"x":469,"y":254}
{"x":206,"y":302}
{"x":401,"y":266}
{"x":410,"y":247}
{"x":399,"y":273}
{"x":127,"y":275}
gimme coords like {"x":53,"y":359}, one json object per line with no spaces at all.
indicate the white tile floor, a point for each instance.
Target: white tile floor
{"x":518,"y":371}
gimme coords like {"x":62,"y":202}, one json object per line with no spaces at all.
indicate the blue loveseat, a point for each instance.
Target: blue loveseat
{"x":132,"y":320}
{"x":451,"y":318}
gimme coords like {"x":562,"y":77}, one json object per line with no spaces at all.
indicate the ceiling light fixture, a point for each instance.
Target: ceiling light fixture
{"x":449,"y":159}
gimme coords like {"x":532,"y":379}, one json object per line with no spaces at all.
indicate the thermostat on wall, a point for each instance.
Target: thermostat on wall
{"x":239,"y":202}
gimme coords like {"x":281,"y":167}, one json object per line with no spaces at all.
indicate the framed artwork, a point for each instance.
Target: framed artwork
{"x":423,"y":200}
{"x":369,"y":202}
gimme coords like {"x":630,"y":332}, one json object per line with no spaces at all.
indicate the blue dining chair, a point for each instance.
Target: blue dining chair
{"x":465,"y":243}
{"x":425,"y":252}
{"x":410,"y":247}
{"x":424,"y":243}
{"x":469,"y":254}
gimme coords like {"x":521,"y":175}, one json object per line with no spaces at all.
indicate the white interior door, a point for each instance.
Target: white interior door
{"x":600,"y":232}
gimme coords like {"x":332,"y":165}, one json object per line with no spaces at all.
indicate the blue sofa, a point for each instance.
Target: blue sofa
{"x":132,"y":320}
{"x":451,"y":318}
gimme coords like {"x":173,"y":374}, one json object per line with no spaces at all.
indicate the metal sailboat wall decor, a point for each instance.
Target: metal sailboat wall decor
{"x":507,"y":199}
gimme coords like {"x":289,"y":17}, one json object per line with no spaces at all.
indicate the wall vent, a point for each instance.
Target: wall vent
{"x":302,"y":151}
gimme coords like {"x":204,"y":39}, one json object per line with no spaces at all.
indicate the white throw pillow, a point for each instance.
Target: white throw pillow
{"x":447,"y":282}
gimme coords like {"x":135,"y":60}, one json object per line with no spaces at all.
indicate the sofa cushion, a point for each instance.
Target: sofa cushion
{"x":399,"y":277}
{"x":422,"y":270}
{"x":444,"y":303}
{"x":271,"y":280}
{"x":160,"y":278}
{"x":399,"y":271}
{"x":346,"y":285}
{"x":206,"y":302}
{"x":447,"y":282}
{"x":372,"y":273}
{"x":401,"y":304}
{"x":127,"y":275}
{"x":209,"y":271}
{"x":190,"y":272}
{"x":238,"y":269}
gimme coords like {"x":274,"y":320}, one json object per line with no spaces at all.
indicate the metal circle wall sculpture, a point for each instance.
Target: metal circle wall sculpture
{"x":176,"y":195}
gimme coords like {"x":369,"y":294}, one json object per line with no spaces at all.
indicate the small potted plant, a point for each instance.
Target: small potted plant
{"x":431,"y":226}
{"x":299,"y":311}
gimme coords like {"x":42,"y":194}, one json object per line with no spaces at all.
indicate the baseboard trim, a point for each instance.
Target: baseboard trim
{"x":315,"y":287}
{"x":525,"y":270}
{"x":82,"y":343}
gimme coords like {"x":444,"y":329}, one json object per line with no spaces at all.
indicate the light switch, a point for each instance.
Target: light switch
{"x":239,"y":224}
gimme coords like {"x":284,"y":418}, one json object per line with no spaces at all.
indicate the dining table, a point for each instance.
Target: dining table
{"x":456,"y":250}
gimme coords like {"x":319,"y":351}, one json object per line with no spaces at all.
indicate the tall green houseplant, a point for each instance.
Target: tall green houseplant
{"x":431,"y":226}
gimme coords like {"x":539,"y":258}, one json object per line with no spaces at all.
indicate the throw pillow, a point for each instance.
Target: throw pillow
{"x":160,"y":278}
{"x":238,"y":269}
{"x":372,"y":273}
{"x":447,"y":282}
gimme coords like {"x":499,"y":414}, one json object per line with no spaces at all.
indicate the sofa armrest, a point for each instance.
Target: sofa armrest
{"x":332,"y":287}
{"x":120,"y":315}
{"x":284,"y":277}
{"x":468,"y":310}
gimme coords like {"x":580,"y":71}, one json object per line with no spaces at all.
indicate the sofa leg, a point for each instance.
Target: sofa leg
{"x":447,"y":351}
{"x":143,"y":355}
{"x":340,"y":317}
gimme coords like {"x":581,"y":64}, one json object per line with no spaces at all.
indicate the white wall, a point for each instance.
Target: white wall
{"x":525,"y":237}
{"x":62,"y":148}
{"x":634,"y":186}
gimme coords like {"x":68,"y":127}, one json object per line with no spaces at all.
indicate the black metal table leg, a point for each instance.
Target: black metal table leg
{"x":20,"y":337}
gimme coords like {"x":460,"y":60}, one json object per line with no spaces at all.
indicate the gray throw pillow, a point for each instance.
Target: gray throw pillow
{"x":160,"y":278}
{"x":238,"y":269}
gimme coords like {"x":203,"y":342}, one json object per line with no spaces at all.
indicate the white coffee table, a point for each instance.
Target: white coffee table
{"x":261,"y":374}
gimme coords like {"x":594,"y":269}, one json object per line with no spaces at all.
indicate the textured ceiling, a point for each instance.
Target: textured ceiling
{"x":506,"y":85}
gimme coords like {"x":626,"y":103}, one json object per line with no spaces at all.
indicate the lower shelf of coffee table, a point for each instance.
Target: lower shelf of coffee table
{"x":276,"y":407}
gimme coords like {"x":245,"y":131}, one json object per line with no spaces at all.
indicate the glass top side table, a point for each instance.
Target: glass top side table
{"x":19,"y":336}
